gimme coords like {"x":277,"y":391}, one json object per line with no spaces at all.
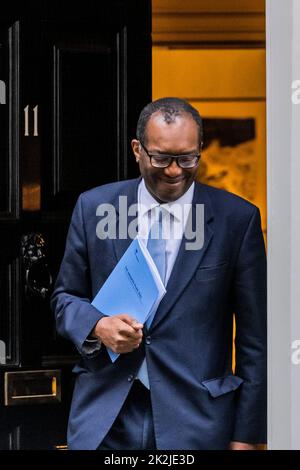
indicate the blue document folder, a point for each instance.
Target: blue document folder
{"x":133,"y":287}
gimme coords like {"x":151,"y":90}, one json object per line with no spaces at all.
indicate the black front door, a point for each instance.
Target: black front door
{"x":73,"y":78}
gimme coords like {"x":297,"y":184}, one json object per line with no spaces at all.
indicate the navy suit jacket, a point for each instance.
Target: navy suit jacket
{"x":198,"y":403}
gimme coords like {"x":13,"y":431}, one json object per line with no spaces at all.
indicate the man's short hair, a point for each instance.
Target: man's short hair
{"x":170,"y":109}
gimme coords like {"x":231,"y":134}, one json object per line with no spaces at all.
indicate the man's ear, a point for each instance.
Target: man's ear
{"x":136,"y":148}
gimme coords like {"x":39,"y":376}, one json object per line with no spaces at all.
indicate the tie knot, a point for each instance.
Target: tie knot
{"x":156,"y":213}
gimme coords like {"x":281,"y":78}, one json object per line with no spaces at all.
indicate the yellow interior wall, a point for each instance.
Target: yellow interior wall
{"x":208,"y":73}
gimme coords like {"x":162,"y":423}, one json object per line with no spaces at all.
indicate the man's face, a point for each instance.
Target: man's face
{"x":178,"y":137}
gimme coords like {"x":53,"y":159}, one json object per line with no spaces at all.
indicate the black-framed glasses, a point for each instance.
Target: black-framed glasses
{"x":162,"y":160}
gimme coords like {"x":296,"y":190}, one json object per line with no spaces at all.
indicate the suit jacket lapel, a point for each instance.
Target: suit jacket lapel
{"x":187,"y":260}
{"x":121,"y":244}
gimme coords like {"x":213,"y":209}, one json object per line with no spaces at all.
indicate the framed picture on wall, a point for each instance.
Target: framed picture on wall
{"x":233,"y":157}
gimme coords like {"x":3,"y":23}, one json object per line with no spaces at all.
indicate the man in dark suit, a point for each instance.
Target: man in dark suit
{"x":172,"y":387}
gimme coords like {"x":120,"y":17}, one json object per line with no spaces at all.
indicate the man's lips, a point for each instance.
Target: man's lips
{"x":173,"y":181}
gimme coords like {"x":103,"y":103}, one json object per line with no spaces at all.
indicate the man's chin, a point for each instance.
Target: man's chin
{"x":167,"y":192}
{"x":169,"y":195}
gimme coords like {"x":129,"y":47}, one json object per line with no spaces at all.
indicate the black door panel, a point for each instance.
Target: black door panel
{"x":73,"y":79}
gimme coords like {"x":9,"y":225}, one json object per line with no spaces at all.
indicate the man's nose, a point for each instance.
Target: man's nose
{"x":173,"y":169}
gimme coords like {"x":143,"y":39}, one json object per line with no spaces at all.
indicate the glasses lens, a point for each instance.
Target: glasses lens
{"x":188,"y":161}
{"x":160,"y":162}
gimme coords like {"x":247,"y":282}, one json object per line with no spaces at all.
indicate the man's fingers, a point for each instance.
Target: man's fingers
{"x":117,"y":333}
{"x":137,"y":325}
{"x":130,"y":321}
{"x":128,"y":331}
{"x":132,"y":334}
{"x":122,"y":346}
{"x":126,"y":318}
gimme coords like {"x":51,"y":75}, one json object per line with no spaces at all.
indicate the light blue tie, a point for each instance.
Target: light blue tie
{"x":157,"y":248}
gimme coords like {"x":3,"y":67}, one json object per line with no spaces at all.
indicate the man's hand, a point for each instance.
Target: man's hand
{"x":121,"y":333}
{"x":234,"y":445}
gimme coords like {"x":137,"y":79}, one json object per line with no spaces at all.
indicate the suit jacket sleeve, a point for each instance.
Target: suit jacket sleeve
{"x":70,"y":301}
{"x":251,"y":335}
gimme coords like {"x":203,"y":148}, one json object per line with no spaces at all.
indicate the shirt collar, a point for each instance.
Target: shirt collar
{"x":147,"y":202}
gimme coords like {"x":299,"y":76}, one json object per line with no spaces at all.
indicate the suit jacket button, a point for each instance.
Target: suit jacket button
{"x":148,"y":340}
{"x":130,"y":378}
